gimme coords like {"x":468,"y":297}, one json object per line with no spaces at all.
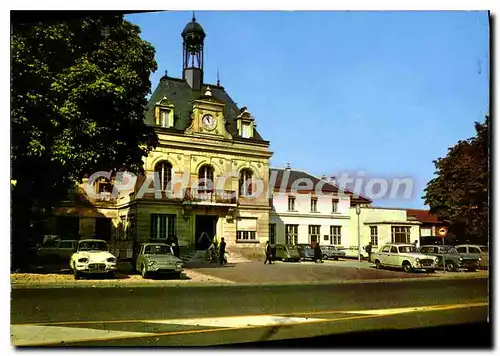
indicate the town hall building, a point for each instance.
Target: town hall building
{"x":211,"y":163}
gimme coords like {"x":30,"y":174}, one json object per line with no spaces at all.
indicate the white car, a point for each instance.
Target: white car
{"x":405,"y":256}
{"x":352,"y":252}
{"x":92,"y":257}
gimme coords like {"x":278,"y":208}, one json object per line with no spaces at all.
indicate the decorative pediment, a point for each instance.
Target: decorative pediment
{"x":245,"y":114}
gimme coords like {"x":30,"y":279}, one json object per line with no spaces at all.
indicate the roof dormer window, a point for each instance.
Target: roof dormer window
{"x":245,"y":123}
{"x":164,"y":113}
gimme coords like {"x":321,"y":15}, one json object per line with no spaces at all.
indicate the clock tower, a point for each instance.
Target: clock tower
{"x":208,"y":117}
{"x":193,"y":37}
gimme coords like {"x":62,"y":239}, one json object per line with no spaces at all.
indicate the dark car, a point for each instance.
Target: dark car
{"x":332,"y":252}
{"x":56,"y":251}
{"x":306,"y":252}
{"x":450,"y":258}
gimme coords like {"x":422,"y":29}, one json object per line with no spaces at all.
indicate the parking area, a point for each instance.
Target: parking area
{"x":249,"y":272}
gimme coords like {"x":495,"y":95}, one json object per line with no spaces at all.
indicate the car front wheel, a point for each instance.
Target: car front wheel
{"x":407,"y":267}
{"x":76,"y":274}
{"x":378,"y":265}
{"x":450,"y":266}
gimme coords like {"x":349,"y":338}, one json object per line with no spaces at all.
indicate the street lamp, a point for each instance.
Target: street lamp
{"x":358,"y":211}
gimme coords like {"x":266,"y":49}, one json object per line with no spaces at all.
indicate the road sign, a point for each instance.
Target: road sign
{"x":442,"y":232}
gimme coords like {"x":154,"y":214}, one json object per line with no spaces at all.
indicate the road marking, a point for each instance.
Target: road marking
{"x":238,"y":321}
{"x":30,"y":335}
{"x":228,"y":323}
{"x":323,"y":312}
{"x":415,"y":309}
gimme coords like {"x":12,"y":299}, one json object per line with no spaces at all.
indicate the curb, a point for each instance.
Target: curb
{"x":219,"y":284}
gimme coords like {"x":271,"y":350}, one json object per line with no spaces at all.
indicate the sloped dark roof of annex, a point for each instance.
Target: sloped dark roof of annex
{"x":181,"y":95}
{"x":298,"y":174}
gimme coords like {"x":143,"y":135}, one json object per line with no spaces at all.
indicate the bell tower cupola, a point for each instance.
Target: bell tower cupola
{"x":193,"y":37}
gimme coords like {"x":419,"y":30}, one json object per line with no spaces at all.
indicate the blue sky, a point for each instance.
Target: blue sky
{"x":384,"y":93}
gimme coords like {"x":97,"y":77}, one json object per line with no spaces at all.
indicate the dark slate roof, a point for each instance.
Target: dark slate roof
{"x":327,"y":187}
{"x":180,"y":94}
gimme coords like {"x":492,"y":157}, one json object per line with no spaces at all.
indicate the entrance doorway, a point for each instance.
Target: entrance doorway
{"x":206,"y":227}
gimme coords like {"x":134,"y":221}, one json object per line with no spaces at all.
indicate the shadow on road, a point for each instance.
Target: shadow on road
{"x":474,"y":335}
{"x":204,"y":265}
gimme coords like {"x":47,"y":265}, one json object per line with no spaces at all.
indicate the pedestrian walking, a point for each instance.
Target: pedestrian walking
{"x":318,"y":258}
{"x":368,"y":250}
{"x":268,"y":254}
{"x":222,"y":250}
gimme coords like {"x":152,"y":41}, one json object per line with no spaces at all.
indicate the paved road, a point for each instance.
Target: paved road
{"x":233,"y":314}
{"x":290,"y":272}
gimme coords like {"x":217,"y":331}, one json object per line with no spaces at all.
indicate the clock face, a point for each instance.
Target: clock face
{"x":208,"y":122}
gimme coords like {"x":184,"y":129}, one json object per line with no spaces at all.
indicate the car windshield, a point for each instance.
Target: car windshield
{"x":157,"y":250}
{"x":92,"y":246}
{"x":407,"y":249}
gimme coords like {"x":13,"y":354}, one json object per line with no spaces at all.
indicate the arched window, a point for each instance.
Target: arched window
{"x":164,"y":171}
{"x":245,"y":182}
{"x":206,"y":177}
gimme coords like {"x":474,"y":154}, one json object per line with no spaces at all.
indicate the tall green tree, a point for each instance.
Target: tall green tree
{"x":79,"y":90}
{"x":459,"y":194}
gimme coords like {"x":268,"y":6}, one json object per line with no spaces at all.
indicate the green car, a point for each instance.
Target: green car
{"x":285,"y":252}
{"x":157,"y":258}
{"x":451,"y":258}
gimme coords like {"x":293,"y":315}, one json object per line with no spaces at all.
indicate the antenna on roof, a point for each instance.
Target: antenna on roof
{"x":218,"y":78}
{"x":194,"y":18}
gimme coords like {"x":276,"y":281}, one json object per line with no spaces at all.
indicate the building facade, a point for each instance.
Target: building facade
{"x":381,"y":226}
{"x":308,"y":209}
{"x":208,"y":177}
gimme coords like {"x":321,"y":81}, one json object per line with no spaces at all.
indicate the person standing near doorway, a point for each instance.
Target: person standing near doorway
{"x":222,"y":250}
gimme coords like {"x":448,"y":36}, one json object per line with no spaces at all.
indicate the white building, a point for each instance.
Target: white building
{"x":382,"y":225}
{"x":308,"y":209}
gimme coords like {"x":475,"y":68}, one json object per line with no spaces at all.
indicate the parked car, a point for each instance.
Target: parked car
{"x":157,"y":258}
{"x":332,"y":252}
{"x":92,"y":257}
{"x":56,"y":251}
{"x":451,"y":258}
{"x":405,"y":256}
{"x":285,"y":252}
{"x":352,"y":252}
{"x":480,"y":250}
{"x":306,"y":252}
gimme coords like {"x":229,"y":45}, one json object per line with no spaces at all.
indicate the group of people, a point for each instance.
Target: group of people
{"x":212,"y":249}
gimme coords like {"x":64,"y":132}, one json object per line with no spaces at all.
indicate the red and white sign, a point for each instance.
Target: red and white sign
{"x":442,"y":232}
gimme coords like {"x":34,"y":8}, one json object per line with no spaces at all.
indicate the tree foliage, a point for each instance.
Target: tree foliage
{"x":79,"y":92}
{"x":459,"y":193}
